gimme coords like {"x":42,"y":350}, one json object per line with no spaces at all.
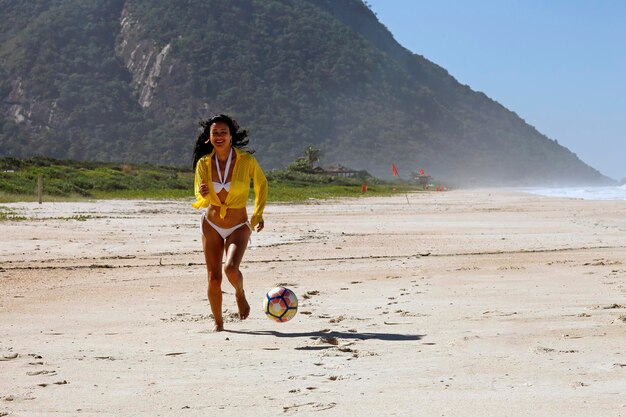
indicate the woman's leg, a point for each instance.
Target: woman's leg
{"x":235,"y":247}
{"x":213,"y":246}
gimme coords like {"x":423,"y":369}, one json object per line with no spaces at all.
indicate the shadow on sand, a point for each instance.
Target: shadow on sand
{"x":339,"y":335}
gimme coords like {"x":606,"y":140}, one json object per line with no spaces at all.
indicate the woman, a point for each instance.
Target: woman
{"x":222,"y":185}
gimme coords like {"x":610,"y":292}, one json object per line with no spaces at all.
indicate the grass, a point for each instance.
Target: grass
{"x":288,"y":192}
{"x":76,"y":180}
{"x":82,"y":181}
{"x":7,"y":213}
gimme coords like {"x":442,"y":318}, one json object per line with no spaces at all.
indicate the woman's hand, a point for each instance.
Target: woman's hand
{"x":260,"y":226}
{"x":204,"y":189}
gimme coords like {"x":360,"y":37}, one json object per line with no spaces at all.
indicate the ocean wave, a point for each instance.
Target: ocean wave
{"x":585,"y":193}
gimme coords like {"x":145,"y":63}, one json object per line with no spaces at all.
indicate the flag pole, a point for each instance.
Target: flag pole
{"x":394,"y":170}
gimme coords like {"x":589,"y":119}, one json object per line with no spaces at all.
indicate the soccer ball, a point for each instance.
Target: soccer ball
{"x":280,"y":304}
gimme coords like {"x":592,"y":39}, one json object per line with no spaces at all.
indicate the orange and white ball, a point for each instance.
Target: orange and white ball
{"x":280,"y":304}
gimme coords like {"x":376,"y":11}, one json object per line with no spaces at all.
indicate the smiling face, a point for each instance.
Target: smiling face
{"x":220,"y":135}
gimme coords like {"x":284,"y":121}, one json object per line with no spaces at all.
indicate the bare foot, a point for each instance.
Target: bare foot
{"x":218,"y":327}
{"x":243,"y":306}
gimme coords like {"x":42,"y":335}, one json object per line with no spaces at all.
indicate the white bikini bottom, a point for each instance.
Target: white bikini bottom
{"x":224,"y":233}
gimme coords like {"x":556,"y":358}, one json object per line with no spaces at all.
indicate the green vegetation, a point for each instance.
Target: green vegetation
{"x":75,"y":180}
{"x":283,"y":191}
{"x":294,"y":186}
{"x":9,"y":214}
{"x":307,"y":162}
{"x":303,"y":181}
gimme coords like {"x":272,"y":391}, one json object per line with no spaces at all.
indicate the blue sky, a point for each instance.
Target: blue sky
{"x":559,"y":64}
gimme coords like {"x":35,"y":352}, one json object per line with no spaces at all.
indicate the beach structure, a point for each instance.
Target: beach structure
{"x":340,"y":171}
{"x":422,"y":179}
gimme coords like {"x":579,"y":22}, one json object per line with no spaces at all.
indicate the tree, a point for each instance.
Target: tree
{"x":305,"y":163}
{"x":312,"y":155}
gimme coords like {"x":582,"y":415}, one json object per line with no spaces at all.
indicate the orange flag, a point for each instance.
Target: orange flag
{"x":394,"y":170}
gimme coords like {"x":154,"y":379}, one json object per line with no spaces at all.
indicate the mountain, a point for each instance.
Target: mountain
{"x":128,"y":81}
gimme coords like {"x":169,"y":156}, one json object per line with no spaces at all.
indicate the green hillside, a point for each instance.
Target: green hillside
{"x":128,"y":80}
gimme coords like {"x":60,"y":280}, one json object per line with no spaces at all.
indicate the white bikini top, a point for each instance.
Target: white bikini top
{"x":218,"y":186}
{"x":222,"y":184}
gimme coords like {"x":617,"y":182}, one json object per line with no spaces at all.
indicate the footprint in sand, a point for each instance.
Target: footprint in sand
{"x":541,"y":349}
{"x":309,"y":294}
{"x":511,"y":268}
{"x":391,"y":323}
{"x":9,"y":356}
{"x":329,"y":340}
{"x":613,"y":306}
{"x":64,"y":382}
{"x":228,"y":317}
{"x":468,"y":268}
{"x":341,"y":351}
{"x":187,"y":317}
{"x":602,"y":262}
{"x":312,"y":406}
{"x":405,"y":313}
{"x":16,"y":399}
{"x":286,"y":284}
{"x":42,"y":372}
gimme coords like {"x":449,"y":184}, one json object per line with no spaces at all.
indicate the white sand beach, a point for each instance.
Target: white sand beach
{"x":460,"y":303}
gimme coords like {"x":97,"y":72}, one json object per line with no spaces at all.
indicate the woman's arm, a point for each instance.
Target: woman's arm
{"x":260,"y":195}
{"x":200,"y":185}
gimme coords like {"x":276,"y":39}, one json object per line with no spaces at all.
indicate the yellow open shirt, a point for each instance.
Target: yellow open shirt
{"x":246,"y":168}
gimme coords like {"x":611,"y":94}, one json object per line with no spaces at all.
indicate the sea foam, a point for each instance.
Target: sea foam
{"x":585,"y":193}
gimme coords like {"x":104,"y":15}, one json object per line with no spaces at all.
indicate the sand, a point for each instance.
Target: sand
{"x":460,"y":303}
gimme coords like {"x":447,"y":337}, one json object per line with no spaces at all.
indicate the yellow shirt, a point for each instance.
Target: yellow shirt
{"x":246,"y":168}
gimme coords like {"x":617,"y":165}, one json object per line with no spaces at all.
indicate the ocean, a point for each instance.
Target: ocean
{"x":585,"y":193}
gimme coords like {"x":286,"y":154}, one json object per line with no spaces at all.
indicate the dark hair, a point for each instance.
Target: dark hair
{"x":205,"y":147}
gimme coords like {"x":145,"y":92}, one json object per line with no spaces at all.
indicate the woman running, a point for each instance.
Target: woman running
{"x":222,"y":184}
